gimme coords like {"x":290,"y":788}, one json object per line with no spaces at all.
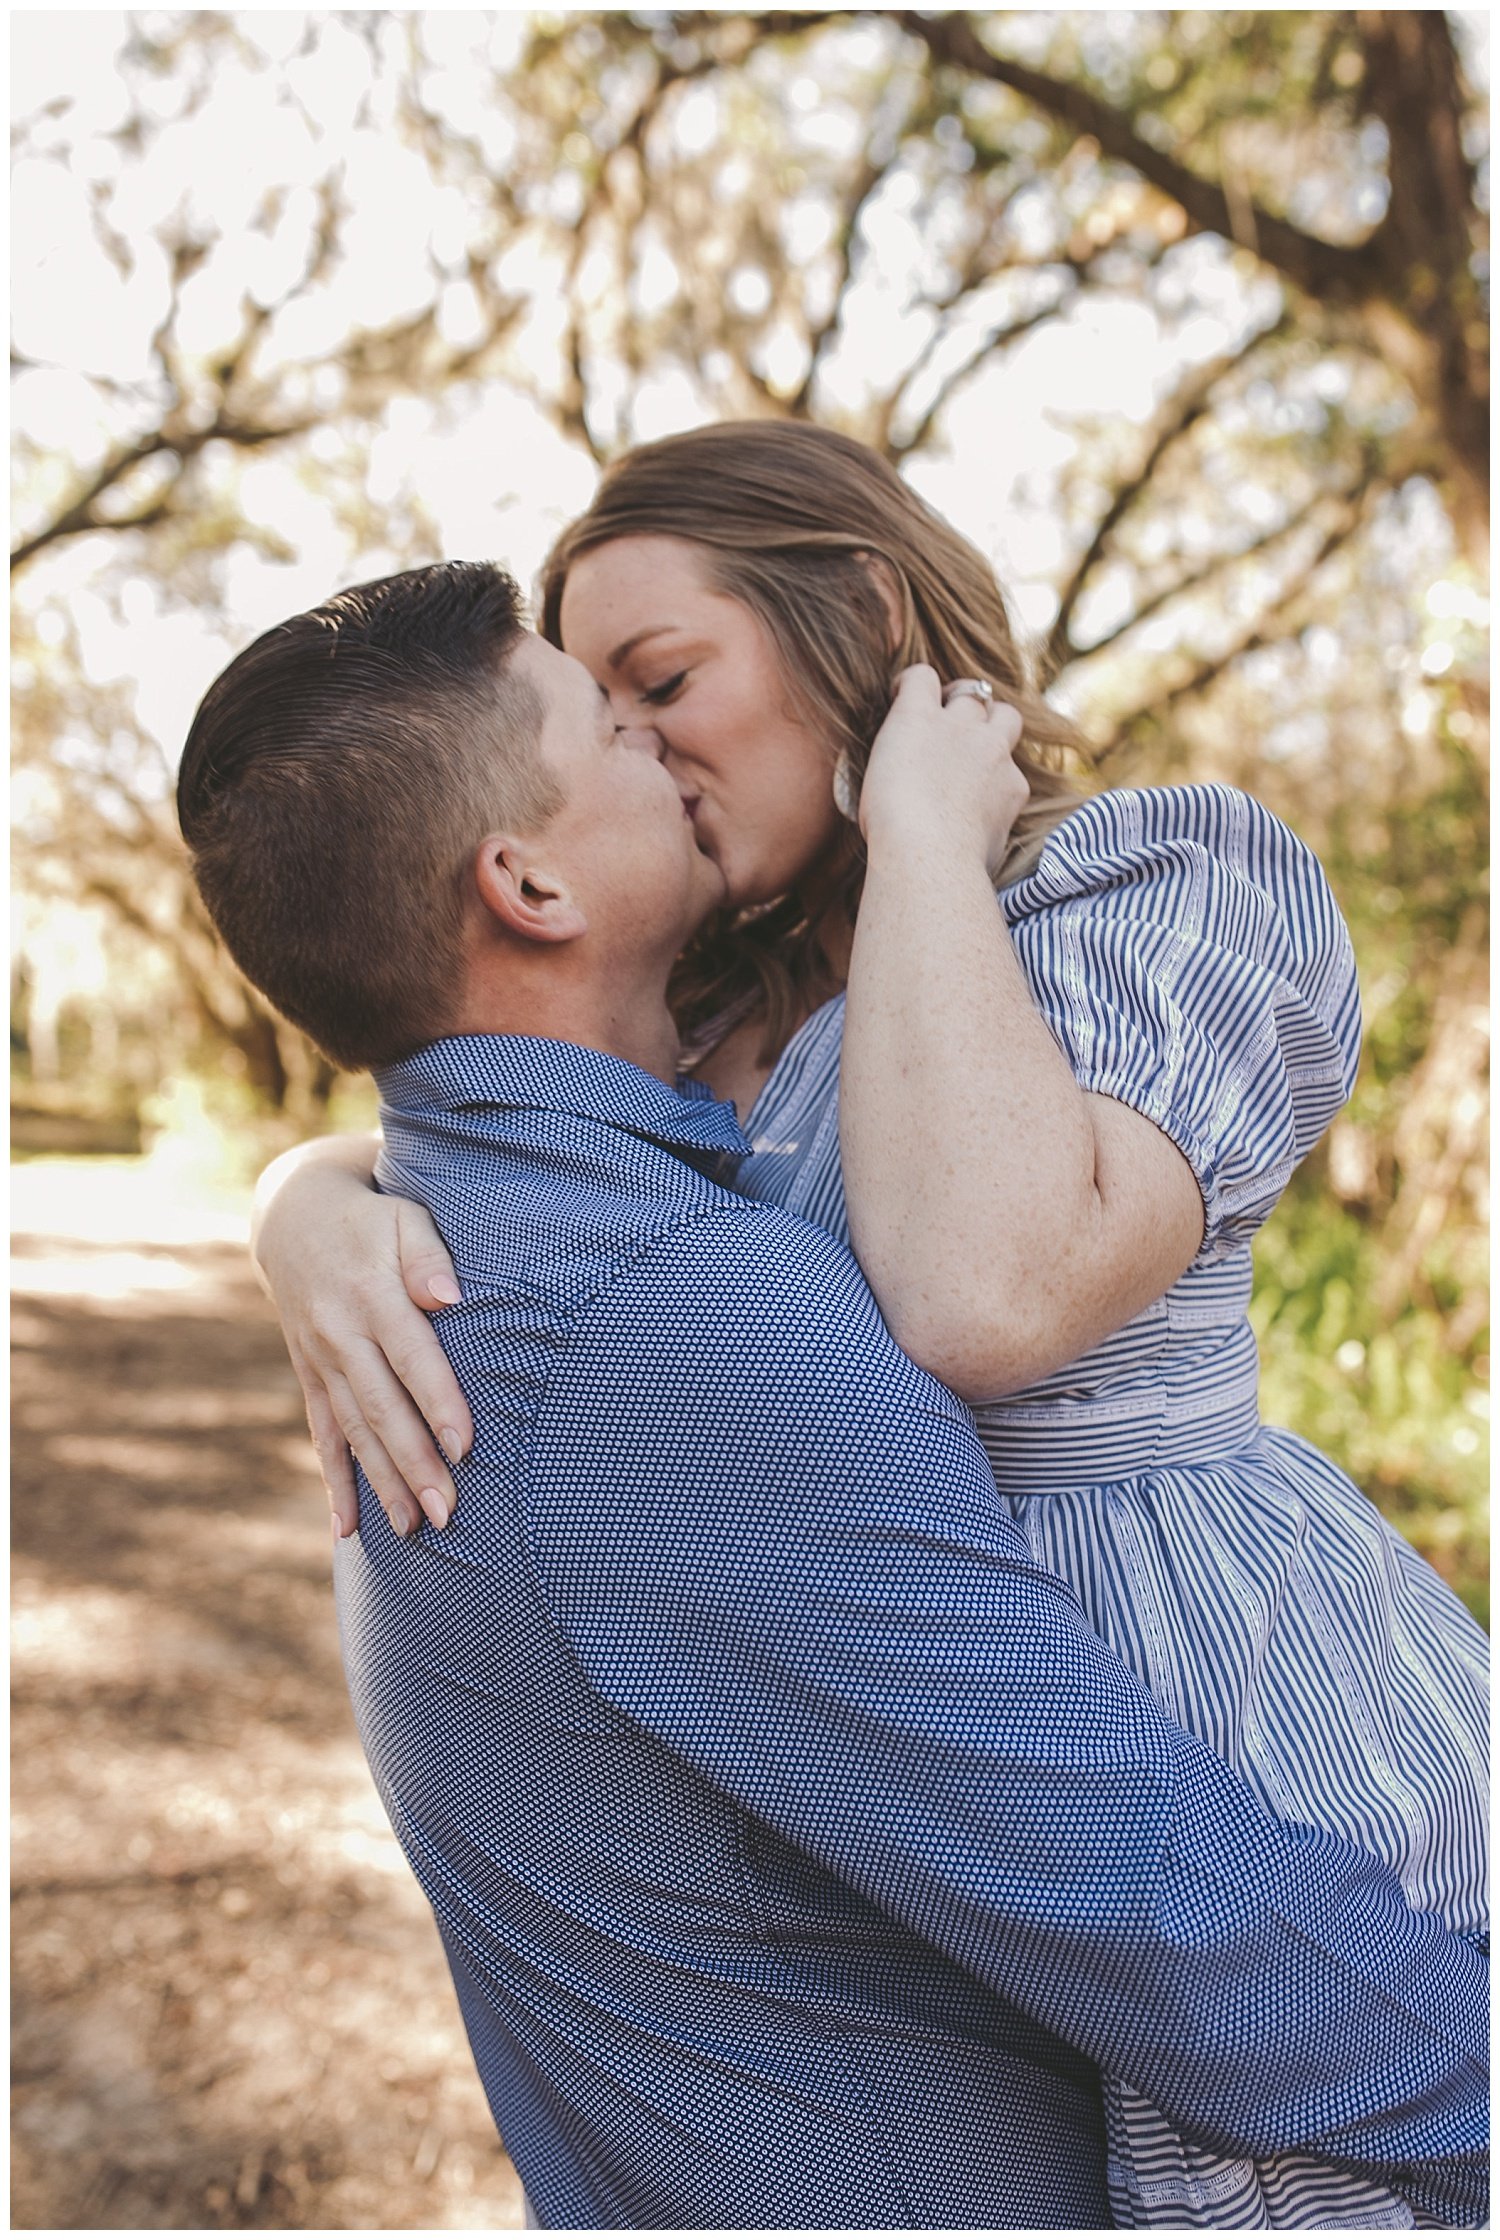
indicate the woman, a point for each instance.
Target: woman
{"x":1049,"y":1129}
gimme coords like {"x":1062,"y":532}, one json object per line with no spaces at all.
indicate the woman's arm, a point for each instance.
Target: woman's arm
{"x":1006,"y":1219}
{"x":350,"y":1272}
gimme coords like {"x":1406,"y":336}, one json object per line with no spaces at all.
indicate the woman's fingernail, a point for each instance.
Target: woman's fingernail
{"x":444,"y":1288}
{"x":338,"y":1528}
{"x":451,"y":1444}
{"x":434,"y":1507}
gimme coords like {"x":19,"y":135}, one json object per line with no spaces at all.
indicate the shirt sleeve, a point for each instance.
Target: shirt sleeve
{"x":777,"y":1548}
{"x":1188,"y":955}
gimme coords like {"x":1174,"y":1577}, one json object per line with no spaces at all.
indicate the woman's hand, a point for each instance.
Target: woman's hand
{"x":948,"y":770}
{"x":351,"y":1272}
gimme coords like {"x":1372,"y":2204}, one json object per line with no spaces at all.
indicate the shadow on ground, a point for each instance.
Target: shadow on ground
{"x":231,"y":2007}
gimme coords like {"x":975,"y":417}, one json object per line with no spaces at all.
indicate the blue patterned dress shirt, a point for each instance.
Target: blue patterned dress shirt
{"x":797,"y":1849}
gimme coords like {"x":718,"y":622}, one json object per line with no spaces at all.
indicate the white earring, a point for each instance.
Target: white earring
{"x":845,"y":791}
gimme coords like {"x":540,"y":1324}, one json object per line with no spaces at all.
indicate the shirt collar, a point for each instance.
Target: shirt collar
{"x":465,"y":1072}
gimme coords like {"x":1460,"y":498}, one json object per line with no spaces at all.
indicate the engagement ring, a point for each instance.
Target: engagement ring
{"x":972,"y":688}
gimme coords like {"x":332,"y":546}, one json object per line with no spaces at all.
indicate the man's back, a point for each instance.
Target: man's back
{"x":757,"y":2043}
{"x":776,"y":1813}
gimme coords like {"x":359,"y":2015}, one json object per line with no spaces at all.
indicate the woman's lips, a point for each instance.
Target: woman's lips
{"x":691,"y":804}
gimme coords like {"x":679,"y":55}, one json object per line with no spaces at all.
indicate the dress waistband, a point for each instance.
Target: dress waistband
{"x":1052,"y":1447}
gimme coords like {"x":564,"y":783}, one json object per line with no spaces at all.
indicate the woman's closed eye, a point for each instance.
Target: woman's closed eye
{"x":657,"y":695}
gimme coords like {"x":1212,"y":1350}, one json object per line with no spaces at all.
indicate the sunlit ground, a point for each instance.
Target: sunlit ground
{"x":231,"y":2006}
{"x":162,"y":1199}
{"x":122,"y":1217}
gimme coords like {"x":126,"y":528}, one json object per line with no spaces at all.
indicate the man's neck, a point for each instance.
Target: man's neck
{"x":648,"y":1040}
{"x":639,"y":1029}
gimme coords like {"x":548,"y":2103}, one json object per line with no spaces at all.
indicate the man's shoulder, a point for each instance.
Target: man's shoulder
{"x":744,"y":1315}
{"x":551,"y":1208}
{"x":731,"y":1254}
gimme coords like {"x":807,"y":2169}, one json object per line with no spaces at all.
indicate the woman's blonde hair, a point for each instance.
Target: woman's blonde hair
{"x":795,"y":521}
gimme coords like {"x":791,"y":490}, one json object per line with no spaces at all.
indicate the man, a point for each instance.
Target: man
{"x":797,"y":1850}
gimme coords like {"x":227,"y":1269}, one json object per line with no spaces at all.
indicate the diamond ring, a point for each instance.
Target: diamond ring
{"x":970,"y":688}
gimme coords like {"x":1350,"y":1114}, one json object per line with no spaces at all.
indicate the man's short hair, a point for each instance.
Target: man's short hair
{"x":337,"y":778}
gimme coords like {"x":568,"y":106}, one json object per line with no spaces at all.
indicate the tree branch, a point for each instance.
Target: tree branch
{"x":995,"y":339}
{"x":81,"y":516}
{"x":1323,"y":269}
{"x":1219,"y":566}
{"x":78,"y":516}
{"x":1079,"y":271}
{"x":868,"y":178}
{"x":572,"y":409}
{"x":1283,"y":612}
{"x":1182,"y":412}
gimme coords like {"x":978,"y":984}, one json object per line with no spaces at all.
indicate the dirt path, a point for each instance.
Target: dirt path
{"x":231,"y":2004}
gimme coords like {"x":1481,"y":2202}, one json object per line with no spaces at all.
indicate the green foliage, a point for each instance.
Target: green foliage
{"x":1391,"y":1400}
{"x":1371,"y":1284}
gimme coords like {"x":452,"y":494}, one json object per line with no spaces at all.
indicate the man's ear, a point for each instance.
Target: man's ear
{"x":522,"y":894}
{"x":888,"y":584}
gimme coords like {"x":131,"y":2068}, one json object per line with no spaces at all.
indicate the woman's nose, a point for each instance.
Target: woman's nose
{"x":641,"y":735}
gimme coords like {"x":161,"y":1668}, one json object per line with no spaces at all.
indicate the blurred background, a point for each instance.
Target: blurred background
{"x":1180,"y":316}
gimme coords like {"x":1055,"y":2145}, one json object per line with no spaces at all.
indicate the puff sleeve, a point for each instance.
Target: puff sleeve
{"x":1188,"y":956}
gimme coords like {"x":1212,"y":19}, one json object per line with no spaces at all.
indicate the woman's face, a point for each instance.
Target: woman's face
{"x":643,"y":617}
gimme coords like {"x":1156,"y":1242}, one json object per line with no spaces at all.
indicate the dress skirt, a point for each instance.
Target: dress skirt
{"x":1272,"y":1611}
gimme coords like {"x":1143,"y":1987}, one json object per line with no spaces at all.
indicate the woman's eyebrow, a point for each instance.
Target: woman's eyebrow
{"x":627,"y":646}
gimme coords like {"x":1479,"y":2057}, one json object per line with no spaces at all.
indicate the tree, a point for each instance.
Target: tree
{"x":1239,"y":254}
{"x":1222,"y":142}
{"x":616,"y":208}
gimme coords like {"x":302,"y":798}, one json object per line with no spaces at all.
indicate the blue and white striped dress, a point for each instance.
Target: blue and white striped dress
{"x":1188,"y":956}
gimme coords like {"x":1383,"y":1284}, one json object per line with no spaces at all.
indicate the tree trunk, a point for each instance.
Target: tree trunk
{"x":1431,"y":315}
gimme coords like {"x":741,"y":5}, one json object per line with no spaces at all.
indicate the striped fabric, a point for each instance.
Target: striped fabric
{"x":1186,"y":952}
